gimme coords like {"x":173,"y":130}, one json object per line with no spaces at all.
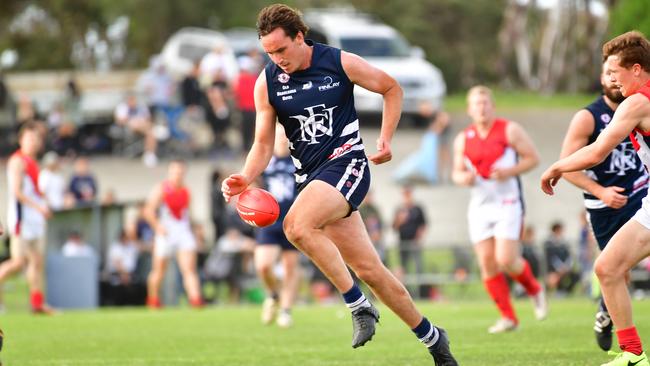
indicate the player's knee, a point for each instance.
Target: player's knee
{"x":604,"y":270}
{"x":506,"y":264}
{"x":295,"y":232}
{"x":264,"y":268}
{"x":155,"y":275}
{"x":369,"y":274}
{"x":289,"y":271}
{"x":17,"y":264}
{"x":188,"y":271}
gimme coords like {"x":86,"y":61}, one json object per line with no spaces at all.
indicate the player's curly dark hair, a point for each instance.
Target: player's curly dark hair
{"x":631,"y":48}
{"x":280,"y":16}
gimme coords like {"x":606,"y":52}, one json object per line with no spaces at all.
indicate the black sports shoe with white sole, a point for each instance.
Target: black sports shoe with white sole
{"x":603,"y":330}
{"x":363,"y":325}
{"x":440,"y":351}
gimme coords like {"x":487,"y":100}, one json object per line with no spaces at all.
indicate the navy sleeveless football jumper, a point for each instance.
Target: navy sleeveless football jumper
{"x":621,"y":168}
{"x":316,"y":108}
{"x":279,"y":181}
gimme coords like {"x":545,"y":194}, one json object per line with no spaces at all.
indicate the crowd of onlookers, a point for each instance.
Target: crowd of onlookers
{"x":226,"y":265}
{"x":194,"y":114}
{"x":191,"y":114}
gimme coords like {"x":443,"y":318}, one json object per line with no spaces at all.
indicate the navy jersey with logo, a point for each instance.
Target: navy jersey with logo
{"x":621,"y":168}
{"x":279,"y":180}
{"x":316,"y":108}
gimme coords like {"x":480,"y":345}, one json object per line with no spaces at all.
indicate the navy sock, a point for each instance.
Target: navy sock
{"x":602,"y":306}
{"x":426,"y":332}
{"x":354,"y":298}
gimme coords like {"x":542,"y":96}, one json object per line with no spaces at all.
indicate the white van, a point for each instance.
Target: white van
{"x":384,"y":48}
{"x":189,"y":45}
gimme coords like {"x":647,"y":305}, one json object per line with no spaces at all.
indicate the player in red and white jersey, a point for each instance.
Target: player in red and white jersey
{"x":627,"y":62}
{"x":168,"y":213}
{"x":26,"y":217}
{"x":489,"y":156}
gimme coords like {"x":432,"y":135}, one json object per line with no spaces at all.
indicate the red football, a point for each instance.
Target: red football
{"x":258,"y":207}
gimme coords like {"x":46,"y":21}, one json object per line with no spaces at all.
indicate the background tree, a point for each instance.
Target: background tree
{"x":512,"y":43}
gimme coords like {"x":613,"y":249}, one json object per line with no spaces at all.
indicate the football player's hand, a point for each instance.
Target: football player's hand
{"x":233,"y":185}
{"x":467,"y":179}
{"x":45,"y":211}
{"x":549,"y":179}
{"x":612,"y":196}
{"x":383,"y":154}
{"x":160,"y":230}
{"x":500,"y":174}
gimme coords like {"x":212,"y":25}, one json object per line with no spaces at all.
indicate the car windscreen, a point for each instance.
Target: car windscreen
{"x":376,"y":46}
{"x":192,"y":52}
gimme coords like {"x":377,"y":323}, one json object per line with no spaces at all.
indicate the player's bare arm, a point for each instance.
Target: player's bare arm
{"x":17,"y":171}
{"x":151,"y":206}
{"x":460,"y":173}
{"x":361,"y":73}
{"x":577,"y":137}
{"x":262,"y":150}
{"x":528,"y":158}
{"x":630,"y":114}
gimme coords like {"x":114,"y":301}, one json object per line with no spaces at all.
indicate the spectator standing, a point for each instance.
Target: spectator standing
{"x":160,"y":89}
{"x":410,"y":223}
{"x":52,"y":183}
{"x":192,"y":95}
{"x":244,"y":94}
{"x":374,"y":224}
{"x":218,"y":206}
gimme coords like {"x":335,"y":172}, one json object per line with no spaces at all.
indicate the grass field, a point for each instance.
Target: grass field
{"x":321,"y":336}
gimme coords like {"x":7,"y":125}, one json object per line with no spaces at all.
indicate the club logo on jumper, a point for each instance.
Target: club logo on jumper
{"x":329,"y":84}
{"x":622,"y":159}
{"x":605,"y":118}
{"x":283,"y":78}
{"x":317,"y":123}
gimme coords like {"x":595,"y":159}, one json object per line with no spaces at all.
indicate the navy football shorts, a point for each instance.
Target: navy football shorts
{"x":350,"y":176}
{"x":606,"y":222}
{"x":273,"y":235}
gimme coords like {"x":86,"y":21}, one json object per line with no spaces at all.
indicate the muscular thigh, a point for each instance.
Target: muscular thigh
{"x":266,"y":255}
{"x":628,"y":246}
{"x":318,"y":205}
{"x":506,"y":249}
